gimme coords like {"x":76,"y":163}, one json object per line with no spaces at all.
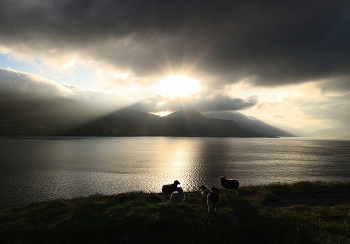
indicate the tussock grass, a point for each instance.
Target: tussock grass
{"x":138,"y":217}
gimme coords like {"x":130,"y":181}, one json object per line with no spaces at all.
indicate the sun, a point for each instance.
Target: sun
{"x":173,"y":86}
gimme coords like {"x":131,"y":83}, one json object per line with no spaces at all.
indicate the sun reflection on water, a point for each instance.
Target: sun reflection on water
{"x":45,"y":169}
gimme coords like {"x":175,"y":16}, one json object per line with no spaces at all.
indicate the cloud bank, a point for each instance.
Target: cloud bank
{"x":19,"y":84}
{"x":270,"y":43}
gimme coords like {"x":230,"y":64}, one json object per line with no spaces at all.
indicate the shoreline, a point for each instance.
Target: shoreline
{"x":289,"y":194}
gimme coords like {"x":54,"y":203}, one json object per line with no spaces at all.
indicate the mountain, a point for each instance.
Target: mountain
{"x":49,"y":115}
{"x":249,"y":123}
{"x":189,"y":122}
{"x":124,"y":122}
{"x":189,"y":114}
{"x":332,"y":133}
{"x":42,"y":114}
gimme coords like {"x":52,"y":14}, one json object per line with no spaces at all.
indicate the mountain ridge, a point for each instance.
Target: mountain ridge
{"x":50,"y":115}
{"x":332,"y":133}
{"x":130,"y":122}
{"x":249,"y":123}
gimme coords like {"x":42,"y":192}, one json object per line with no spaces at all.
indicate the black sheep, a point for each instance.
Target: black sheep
{"x":168,"y":189}
{"x":229,"y":184}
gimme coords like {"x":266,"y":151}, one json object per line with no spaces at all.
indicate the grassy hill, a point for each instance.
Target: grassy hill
{"x":140,"y":218}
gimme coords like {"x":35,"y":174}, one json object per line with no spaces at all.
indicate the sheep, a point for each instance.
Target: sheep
{"x":204,"y":191}
{"x":177,"y":197}
{"x":229,"y":184}
{"x":213,"y":199}
{"x":168,"y":189}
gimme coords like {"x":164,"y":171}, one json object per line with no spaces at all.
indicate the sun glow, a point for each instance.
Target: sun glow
{"x":177,"y":86}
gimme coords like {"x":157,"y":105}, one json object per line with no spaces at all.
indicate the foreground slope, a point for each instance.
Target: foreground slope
{"x":140,"y":218}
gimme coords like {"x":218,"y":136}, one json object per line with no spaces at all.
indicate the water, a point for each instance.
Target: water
{"x":40,"y":169}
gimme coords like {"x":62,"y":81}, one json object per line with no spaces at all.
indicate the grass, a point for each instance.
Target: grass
{"x":138,"y":217}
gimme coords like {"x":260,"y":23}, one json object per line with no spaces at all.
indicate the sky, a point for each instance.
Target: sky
{"x":286,"y":63}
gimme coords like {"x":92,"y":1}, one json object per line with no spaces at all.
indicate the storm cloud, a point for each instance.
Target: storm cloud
{"x":267,"y":43}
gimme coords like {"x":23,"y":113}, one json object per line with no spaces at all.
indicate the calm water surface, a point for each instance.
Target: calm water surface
{"x":40,"y":169}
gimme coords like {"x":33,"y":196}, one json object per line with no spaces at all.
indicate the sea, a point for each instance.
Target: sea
{"x":37,"y":169}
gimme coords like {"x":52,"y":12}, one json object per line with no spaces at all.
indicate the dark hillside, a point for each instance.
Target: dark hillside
{"x":45,"y":115}
{"x":192,"y":123}
{"x":260,"y":214}
{"x":125,"y":122}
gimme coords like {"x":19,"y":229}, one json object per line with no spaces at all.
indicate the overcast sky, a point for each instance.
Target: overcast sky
{"x":284,"y":62}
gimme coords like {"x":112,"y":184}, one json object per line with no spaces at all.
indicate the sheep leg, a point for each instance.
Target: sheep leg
{"x":210,"y":205}
{"x":163,"y":200}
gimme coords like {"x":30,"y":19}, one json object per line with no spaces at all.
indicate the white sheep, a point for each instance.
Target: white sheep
{"x":229,"y":184}
{"x":168,"y":189}
{"x":204,"y":191}
{"x":177,"y":197}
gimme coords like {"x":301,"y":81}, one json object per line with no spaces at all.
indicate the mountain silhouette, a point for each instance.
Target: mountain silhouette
{"x":190,"y":122}
{"x":332,"y":133}
{"x":39,"y":114}
{"x":249,"y":123}
{"x":124,"y":122}
{"x":48,"y":115}
{"x":186,"y":122}
{"x":190,"y":114}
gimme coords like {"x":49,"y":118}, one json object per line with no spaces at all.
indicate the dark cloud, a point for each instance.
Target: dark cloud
{"x":270,"y":42}
{"x":225,"y":103}
{"x":203,"y":104}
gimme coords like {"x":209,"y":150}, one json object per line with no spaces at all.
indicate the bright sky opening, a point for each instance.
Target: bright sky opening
{"x":174,"y":86}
